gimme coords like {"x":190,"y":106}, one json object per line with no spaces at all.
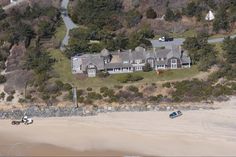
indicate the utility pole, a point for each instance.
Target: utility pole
{"x":74,"y":91}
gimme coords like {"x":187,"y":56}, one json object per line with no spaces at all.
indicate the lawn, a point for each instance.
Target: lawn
{"x":62,"y":69}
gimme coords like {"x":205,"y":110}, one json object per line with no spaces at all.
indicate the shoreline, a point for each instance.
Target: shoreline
{"x":196,"y":132}
{"x":82,"y":111}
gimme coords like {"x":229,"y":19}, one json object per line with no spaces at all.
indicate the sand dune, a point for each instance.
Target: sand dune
{"x":203,"y":132}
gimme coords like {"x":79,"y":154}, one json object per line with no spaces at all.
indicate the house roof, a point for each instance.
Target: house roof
{"x":94,"y":59}
{"x":175,"y":52}
{"x":162,"y":53}
{"x":117,"y":65}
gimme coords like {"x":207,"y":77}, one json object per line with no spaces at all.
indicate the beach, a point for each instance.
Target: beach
{"x":197,"y":132}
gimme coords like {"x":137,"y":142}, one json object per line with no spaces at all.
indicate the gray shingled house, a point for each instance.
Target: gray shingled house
{"x":130,"y":61}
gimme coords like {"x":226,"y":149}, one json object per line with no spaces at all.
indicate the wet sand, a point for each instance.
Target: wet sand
{"x":196,"y":133}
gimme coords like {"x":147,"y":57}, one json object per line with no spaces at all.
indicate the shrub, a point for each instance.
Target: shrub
{"x":59,"y":84}
{"x":133,"y":89}
{"x":21,"y":100}
{"x":147,"y":67}
{"x":89,"y":89}
{"x":103,"y":74}
{"x":80,"y":92}
{"x":103,"y":89}
{"x":109,"y":93}
{"x":2,"y":95}
{"x":80,"y":99}
{"x":10,"y":98}
{"x":94,"y":96}
{"x":2,"y":79}
{"x":166,"y":85}
{"x":156,"y":98}
{"x":67,"y":87}
{"x":151,"y":14}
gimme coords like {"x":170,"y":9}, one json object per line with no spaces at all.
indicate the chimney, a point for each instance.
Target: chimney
{"x":130,"y":50}
{"x":144,"y":50}
{"x":118,"y":51}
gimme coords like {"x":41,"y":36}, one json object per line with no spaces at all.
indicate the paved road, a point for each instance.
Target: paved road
{"x":179,"y":41}
{"x":68,"y":22}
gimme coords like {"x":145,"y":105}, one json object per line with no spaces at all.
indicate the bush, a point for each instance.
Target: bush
{"x":80,"y":99}
{"x":2,"y":79}
{"x":147,"y":67}
{"x":94,"y":96}
{"x":129,"y":78}
{"x":10,"y":98}
{"x":109,"y":93}
{"x":80,"y":92}
{"x":21,"y":100}
{"x":133,"y":89}
{"x":103,"y":89}
{"x":151,"y":14}
{"x":59,"y":84}
{"x":89,"y":89}
{"x":156,"y":98}
{"x":67,"y":87}
{"x":166,"y":85}
{"x":103,"y":74}
{"x":2,"y":95}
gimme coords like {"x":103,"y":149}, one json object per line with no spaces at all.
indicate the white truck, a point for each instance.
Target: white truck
{"x":24,"y":120}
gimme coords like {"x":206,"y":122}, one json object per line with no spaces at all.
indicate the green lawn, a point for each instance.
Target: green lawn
{"x":62,"y":68}
{"x":62,"y":71}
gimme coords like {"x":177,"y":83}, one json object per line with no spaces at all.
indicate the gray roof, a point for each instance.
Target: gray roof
{"x":161,"y":62}
{"x":138,"y":55}
{"x":93,"y":59}
{"x":175,"y":52}
{"x":117,"y":65}
{"x":125,"y":56}
{"x":162,"y":53}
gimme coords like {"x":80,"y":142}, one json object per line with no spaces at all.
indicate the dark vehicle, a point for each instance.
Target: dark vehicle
{"x":163,"y":39}
{"x":175,"y":114}
{"x":15,"y":122}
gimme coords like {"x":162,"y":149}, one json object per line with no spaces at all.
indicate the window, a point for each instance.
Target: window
{"x":173,"y":63}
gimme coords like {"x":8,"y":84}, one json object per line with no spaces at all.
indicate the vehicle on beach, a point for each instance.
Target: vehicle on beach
{"x":24,"y":120}
{"x":175,"y":114}
{"x":165,"y":39}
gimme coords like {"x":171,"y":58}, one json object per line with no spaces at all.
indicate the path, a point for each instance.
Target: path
{"x":68,"y":22}
{"x":179,"y":41}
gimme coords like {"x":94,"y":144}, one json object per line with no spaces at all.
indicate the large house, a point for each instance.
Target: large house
{"x":130,"y":61}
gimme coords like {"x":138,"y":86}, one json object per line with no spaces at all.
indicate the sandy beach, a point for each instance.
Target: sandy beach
{"x":200,"y":132}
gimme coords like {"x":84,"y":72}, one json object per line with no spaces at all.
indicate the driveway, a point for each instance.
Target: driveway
{"x":68,"y":22}
{"x":179,"y":41}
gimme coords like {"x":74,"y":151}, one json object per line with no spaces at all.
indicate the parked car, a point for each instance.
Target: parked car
{"x":164,"y":39}
{"x":175,"y":114}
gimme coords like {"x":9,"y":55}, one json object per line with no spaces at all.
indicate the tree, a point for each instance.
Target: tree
{"x":221,"y":21}
{"x":230,"y":50}
{"x":147,"y":67}
{"x":151,"y":14}
{"x":200,"y":51}
{"x":169,"y":16}
{"x":2,"y":13}
{"x":2,"y":79}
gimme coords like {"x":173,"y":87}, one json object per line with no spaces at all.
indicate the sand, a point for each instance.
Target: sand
{"x":200,"y":132}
